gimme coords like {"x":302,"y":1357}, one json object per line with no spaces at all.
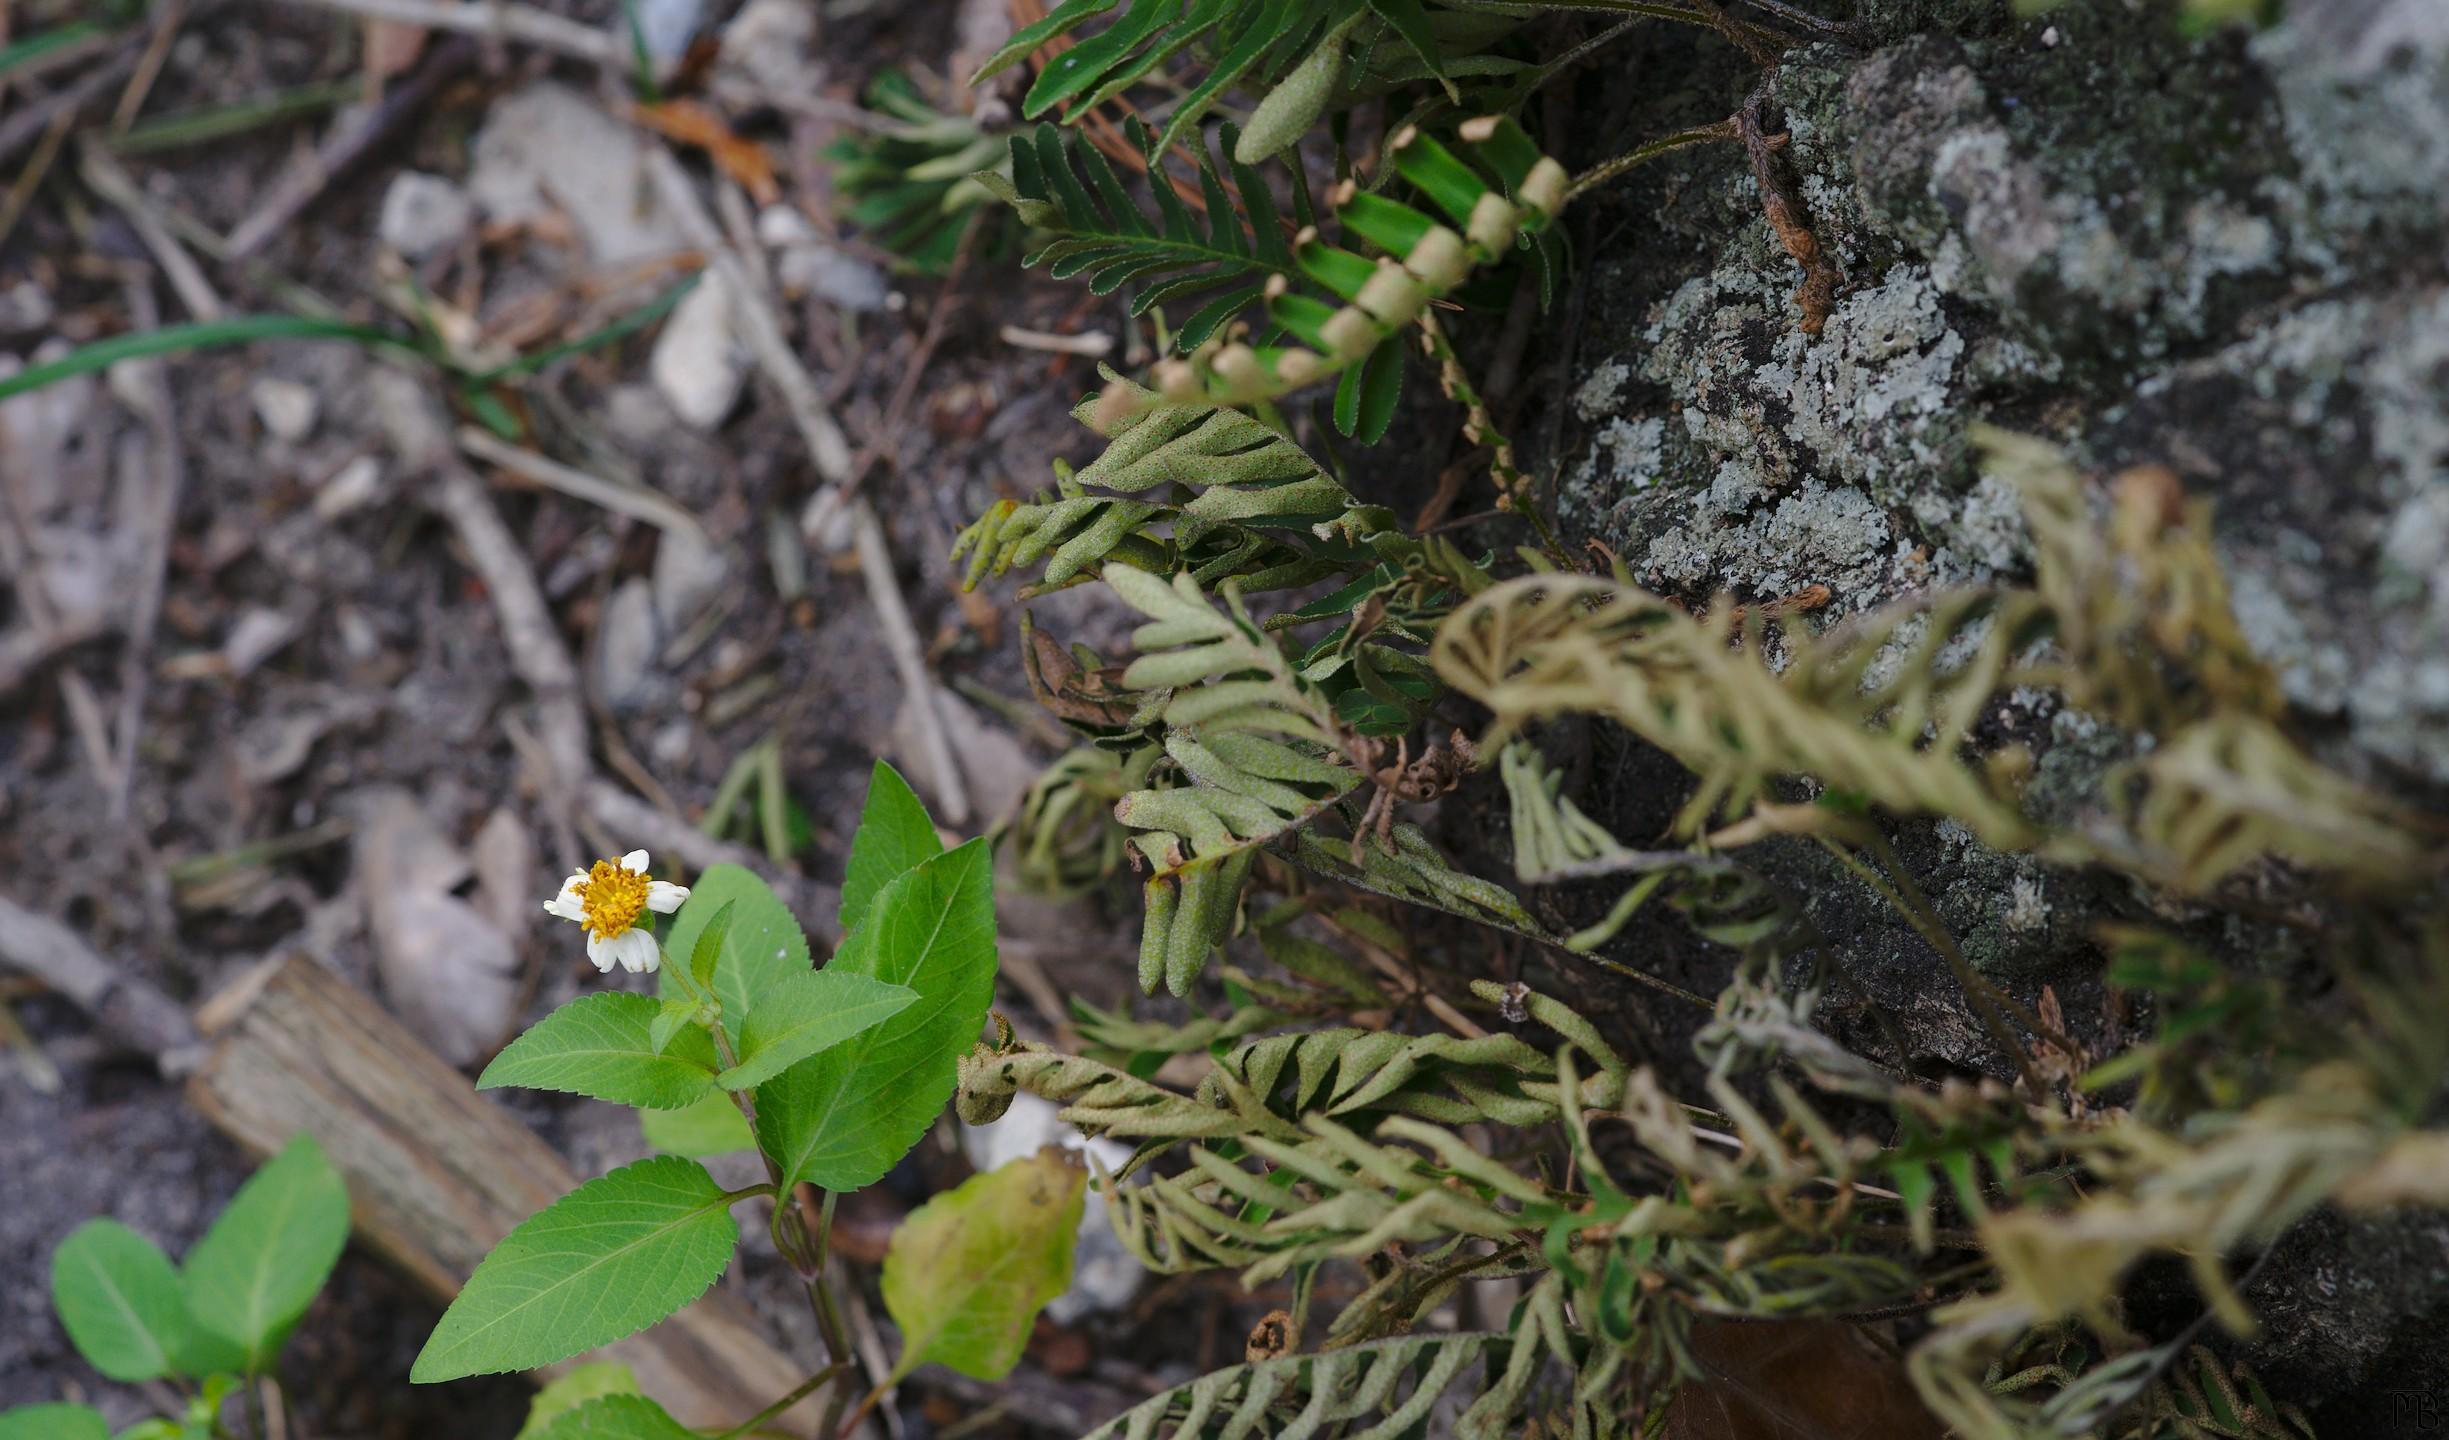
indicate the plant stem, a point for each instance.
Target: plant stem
{"x":866,"y":1403}
{"x":799,"y":1392}
{"x":792,"y":1238}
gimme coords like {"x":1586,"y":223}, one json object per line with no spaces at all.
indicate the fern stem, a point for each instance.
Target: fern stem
{"x":1984,"y":996}
{"x":1607,"y":170}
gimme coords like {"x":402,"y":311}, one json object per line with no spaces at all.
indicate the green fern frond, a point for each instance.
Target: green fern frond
{"x":911,"y":180}
{"x":1217,"y":268}
{"x":1252,"y":505}
{"x":1262,"y":45}
{"x":1511,"y":201}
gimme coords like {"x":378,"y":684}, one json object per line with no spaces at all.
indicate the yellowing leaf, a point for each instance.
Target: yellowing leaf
{"x":970,"y":1269}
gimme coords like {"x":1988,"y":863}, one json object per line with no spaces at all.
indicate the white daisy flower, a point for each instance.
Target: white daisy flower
{"x":608,"y":898}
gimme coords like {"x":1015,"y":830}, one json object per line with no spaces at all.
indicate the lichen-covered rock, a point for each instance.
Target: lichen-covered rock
{"x":2223,"y":254}
{"x":2226,"y":253}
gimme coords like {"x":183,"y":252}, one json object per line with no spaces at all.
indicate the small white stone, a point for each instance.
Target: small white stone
{"x":689,"y":572}
{"x":25,"y":308}
{"x":781,"y":225}
{"x":843,"y":281}
{"x":423,"y":214}
{"x":2050,"y":37}
{"x":698,"y":363}
{"x":357,"y":485}
{"x":625,"y":643}
{"x":287,"y":408}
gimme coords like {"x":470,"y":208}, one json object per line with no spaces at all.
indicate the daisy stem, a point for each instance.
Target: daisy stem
{"x":803,"y":1245}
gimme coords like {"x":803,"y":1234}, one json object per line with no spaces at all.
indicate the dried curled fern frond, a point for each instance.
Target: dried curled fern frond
{"x":1881,"y":707}
{"x":1389,"y":1389}
{"x":1845,"y":710}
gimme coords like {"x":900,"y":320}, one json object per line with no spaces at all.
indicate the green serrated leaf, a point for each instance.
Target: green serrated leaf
{"x":843,"y":1118}
{"x":895,"y":835}
{"x":712,"y":1126}
{"x":603,"y":1045}
{"x":260,"y":1265}
{"x":616,"y":1417}
{"x":673,"y":1014}
{"x":606,"y":1260}
{"x":763,"y":943}
{"x":594,"y":1380}
{"x":807,"y":1015}
{"x":119,"y":1299}
{"x":970,"y":1269}
{"x":53,"y":1422}
{"x":709,"y":947}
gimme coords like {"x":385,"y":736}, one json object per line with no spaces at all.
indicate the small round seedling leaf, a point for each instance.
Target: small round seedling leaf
{"x":119,"y":1299}
{"x":260,"y":1265}
{"x":617,"y":1417}
{"x":53,"y":1422}
{"x":579,"y":1385}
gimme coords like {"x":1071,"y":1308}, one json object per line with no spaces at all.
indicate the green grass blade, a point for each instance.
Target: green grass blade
{"x":172,"y":339}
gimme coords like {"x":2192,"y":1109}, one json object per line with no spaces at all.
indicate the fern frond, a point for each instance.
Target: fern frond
{"x":1253,"y":505}
{"x":1256,"y":744}
{"x":2222,"y":793}
{"x":1423,"y":261}
{"x":1064,"y":836}
{"x":1846,"y":710}
{"x":1069,"y":192}
{"x":1380,"y":1390}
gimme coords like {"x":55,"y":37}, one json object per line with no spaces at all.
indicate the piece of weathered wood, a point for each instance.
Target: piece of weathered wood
{"x":436,"y":1172}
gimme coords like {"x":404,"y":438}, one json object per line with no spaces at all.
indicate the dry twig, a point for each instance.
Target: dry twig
{"x":639,"y":502}
{"x":495,"y":19}
{"x":121,"y":1004}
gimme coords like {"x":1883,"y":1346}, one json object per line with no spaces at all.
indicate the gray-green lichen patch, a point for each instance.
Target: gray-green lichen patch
{"x":2149,"y":248}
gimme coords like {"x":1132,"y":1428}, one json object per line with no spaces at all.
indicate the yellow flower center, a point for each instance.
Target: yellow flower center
{"x":611,"y":897}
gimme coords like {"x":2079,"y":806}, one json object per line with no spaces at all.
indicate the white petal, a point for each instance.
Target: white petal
{"x":567,"y":905}
{"x":637,"y":951}
{"x":663,"y":897}
{"x":602,"y":952}
{"x":634,"y":862}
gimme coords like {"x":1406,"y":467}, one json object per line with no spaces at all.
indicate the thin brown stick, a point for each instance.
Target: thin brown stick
{"x":167,"y":19}
{"x":21,"y":194}
{"x":106,"y":177}
{"x":168,"y":458}
{"x":819,"y":515}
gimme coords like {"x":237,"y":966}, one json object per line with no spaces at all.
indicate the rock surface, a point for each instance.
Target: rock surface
{"x":2227,"y":253}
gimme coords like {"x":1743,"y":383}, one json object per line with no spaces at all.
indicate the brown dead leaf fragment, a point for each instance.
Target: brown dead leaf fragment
{"x":1796,"y":1380}
{"x":691,"y":123}
{"x":1091,"y":697}
{"x":1271,"y":1338}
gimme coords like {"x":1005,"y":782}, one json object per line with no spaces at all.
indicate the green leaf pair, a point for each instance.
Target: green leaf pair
{"x":136,"y":1317}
